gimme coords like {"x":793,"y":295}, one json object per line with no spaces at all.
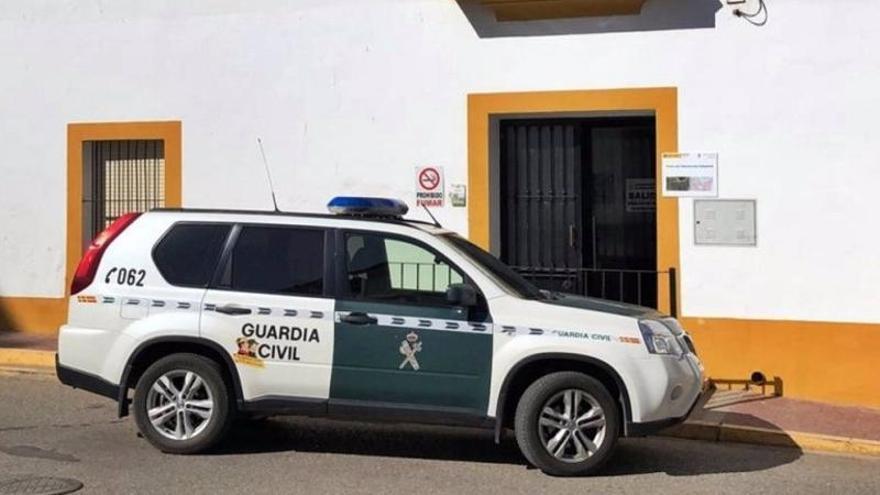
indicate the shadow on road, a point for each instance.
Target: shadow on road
{"x":677,"y":457}
{"x":633,"y":456}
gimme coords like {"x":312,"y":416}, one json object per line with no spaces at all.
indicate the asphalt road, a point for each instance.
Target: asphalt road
{"x":47,"y":429}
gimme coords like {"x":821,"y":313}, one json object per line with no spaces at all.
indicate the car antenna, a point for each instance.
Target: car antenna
{"x":436,"y":223}
{"x":268,"y":175}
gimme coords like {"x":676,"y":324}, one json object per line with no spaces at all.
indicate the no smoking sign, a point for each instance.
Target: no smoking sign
{"x":429,"y":178}
{"x":429,"y":186}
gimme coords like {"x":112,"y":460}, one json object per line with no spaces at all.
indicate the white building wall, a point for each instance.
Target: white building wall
{"x":349,"y":96}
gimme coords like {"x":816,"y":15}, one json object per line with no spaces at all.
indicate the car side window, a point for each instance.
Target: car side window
{"x":187,"y":255}
{"x":277,"y":260}
{"x":389,"y":269}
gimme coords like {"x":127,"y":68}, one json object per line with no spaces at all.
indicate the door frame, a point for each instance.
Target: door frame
{"x":484,"y":107}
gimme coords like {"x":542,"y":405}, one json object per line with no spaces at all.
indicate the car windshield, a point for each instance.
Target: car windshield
{"x":502,"y":274}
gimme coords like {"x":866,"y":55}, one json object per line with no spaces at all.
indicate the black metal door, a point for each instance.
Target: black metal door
{"x":541,"y":195}
{"x":623,"y":233}
{"x":577,"y":206}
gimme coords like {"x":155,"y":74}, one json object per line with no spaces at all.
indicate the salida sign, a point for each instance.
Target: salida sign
{"x":429,"y":186}
{"x":641,"y":195}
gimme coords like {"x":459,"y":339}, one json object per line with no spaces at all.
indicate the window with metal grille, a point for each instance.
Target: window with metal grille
{"x":119,"y":177}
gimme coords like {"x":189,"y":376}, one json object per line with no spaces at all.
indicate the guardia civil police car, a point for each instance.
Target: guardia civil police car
{"x":209,"y":314}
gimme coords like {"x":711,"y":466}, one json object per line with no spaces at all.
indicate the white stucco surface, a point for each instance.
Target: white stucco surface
{"x":350,"y":96}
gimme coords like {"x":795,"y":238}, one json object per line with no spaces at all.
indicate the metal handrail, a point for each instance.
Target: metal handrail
{"x":538,"y":274}
{"x":580,"y":276}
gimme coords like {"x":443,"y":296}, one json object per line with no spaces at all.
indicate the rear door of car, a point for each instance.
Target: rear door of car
{"x":269,"y":307}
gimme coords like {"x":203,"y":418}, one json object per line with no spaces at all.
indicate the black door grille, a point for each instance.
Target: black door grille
{"x":121,"y":176}
{"x":541,"y":195}
{"x":566,"y":220}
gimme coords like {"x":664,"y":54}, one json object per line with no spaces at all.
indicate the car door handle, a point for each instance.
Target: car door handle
{"x":358,"y":319}
{"x":233,"y":310}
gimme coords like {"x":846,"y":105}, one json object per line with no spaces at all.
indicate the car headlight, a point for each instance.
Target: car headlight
{"x":658,"y":339}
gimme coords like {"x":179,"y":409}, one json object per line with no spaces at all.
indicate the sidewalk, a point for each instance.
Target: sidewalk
{"x":737,"y":415}
{"x":748,"y":416}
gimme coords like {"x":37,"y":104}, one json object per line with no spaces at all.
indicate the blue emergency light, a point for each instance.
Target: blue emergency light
{"x":375,"y":207}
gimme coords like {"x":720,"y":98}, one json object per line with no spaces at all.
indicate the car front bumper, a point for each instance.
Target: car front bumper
{"x":633,"y":429}
{"x":663,"y":389}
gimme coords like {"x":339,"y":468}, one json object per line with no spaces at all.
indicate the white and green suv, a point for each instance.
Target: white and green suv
{"x":209,"y":314}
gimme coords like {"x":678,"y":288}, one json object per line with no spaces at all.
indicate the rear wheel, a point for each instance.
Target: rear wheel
{"x":567,"y":424}
{"x":181,"y":404}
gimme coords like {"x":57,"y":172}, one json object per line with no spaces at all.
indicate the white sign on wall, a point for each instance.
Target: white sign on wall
{"x":690,"y":174}
{"x":429,"y":186}
{"x":458,"y":195}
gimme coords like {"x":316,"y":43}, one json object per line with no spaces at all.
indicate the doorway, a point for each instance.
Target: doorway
{"x":577,"y":204}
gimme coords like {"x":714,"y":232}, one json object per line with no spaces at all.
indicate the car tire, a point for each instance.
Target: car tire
{"x":189,"y":402}
{"x":567,"y":440}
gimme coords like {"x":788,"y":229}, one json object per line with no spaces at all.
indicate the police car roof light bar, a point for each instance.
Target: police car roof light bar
{"x":368,"y":207}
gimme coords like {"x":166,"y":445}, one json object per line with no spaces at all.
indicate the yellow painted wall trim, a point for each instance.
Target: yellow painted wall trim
{"x":822,"y":361}
{"x":32,"y":314}
{"x":663,"y":102}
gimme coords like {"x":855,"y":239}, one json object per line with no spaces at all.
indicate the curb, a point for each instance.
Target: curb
{"x":716,"y":432}
{"x":27,"y":359}
{"x":33,"y":372}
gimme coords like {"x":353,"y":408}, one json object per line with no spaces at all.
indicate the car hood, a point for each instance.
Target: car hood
{"x":600,"y":305}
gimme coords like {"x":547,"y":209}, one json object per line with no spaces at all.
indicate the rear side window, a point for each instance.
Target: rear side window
{"x":188,"y":254}
{"x":278,"y":260}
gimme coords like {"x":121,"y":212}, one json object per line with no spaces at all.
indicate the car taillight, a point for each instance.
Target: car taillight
{"x":88,"y":265}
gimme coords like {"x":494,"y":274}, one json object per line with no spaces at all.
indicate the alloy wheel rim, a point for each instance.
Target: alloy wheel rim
{"x":571,"y":425}
{"x":180,"y":404}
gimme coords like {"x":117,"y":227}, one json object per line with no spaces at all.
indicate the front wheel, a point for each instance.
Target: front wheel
{"x":181,"y":404}
{"x":567,"y":424}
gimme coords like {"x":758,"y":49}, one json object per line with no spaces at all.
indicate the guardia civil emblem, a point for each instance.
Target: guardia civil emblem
{"x":409,"y":347}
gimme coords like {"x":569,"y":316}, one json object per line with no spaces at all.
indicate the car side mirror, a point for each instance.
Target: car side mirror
{"x":461,"y":295}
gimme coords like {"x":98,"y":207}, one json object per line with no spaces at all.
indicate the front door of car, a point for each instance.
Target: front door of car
{"x":269,"y":309}
{"x":398,"y":342}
